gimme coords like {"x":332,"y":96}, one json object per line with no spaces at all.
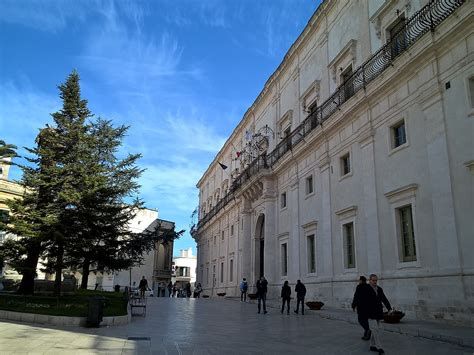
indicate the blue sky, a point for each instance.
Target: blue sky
{"x":181,"y":73}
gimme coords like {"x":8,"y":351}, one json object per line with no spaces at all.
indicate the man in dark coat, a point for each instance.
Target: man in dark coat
{"x":262,"y":294}
{"x":300,"y":290}
{"x":143,"y":286}
{"x":285,"y":297}
{"x":373,"y":300}
{"x":360,"y":303}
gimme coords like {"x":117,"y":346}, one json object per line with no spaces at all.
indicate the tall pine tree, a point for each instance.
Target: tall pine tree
{"x":74,"y":214}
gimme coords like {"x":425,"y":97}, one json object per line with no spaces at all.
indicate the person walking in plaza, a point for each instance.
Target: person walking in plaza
{"x":197,"y":290}
{"x":262,"y":285}
{"x":300,"y":290}
{"x":285,"y":297}
{"x":243,"y":290}
{"x":359,"y":302}
{"x":143,"y":286}
{"x":188,"y":290}
{"x":170,"y":288}
{"x":375,"y":298}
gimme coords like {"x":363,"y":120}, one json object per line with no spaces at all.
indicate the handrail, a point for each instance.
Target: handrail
{"x":423,"y":21}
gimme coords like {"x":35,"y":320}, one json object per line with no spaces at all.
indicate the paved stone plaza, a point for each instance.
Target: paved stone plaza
{"x":210,"y":326}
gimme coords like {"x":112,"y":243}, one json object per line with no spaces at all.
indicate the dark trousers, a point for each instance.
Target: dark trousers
{"x":287,"y":301}
{"x":363,"y":321}
{"x":243,"y":296}
{"x":298,"y":301}
{"x":262,"y":298}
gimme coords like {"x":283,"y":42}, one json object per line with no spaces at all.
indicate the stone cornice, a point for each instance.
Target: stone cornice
{"x":11,"y":188}
{"x":347,"y":212}
{"x":401,"y":193}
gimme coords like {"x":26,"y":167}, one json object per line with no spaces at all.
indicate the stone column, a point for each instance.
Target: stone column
{"x":369,"y":212}
{"x":444,"y":221}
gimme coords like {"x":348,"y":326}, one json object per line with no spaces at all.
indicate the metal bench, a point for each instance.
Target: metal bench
{"x":137,"y":302}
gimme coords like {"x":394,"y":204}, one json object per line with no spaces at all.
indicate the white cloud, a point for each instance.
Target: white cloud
{"x":46,"y":15}
{"x":23,"y":110}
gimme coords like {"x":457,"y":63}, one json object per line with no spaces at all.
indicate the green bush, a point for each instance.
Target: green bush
{"x":75,"y":305}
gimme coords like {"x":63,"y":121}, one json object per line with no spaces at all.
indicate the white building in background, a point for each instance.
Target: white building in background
{"x":156,"y":265}
{"x":184,"y":268}
{"x":357,"y":157}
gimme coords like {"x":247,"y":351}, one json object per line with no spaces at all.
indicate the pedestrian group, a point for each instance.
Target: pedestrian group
{"x":368,"y":300}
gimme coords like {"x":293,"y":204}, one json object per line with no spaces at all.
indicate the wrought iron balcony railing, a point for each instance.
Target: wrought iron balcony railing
{"x":423,"y":21}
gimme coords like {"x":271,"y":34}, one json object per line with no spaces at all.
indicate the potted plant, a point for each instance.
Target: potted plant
{"x":393,"y":316}
{"x":205,"y":296}
{"x":314,"y":305}
{"x":221,"y":294}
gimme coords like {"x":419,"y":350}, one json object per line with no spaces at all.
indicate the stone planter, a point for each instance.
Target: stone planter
{"x":221,"y":294}
{"x":252,"y":296}
{"x":393,"y":317}
{"x":314,"y":305}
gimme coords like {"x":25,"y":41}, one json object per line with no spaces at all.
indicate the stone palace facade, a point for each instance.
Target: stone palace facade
{"x":357,"y":157}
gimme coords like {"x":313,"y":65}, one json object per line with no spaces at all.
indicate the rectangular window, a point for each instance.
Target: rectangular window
{"x":407,"y":235}
{"x":222,"y":235}
{"x":215,"y":240}
{"x":348,"y":81}
{"x":284,"y":259}
{"x":349,"y":254}
{"x":310,"y":245}
{"x":4,"y":216}
{"x":345,"y":164}
{"x":232,"y":229}
{"x":309,"y":185}
{"x":397,"y":34}
{"x":286,"y":135}
{"x":471,"y":90}
{"x":207,"y":275}
{"x":214,"y":275}
{"x":398,"y":134}
{"x":222,"y":272}
{"x":283,"y":200}
{"x":231,"y":270}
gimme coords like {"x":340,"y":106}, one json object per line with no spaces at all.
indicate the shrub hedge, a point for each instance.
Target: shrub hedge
{"x":75,"y":305}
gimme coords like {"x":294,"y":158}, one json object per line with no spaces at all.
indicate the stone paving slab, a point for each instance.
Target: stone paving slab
{"x":211,"y":326}
{"x":439,"y":331}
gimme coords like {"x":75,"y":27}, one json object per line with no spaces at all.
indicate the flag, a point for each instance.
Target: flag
{"x":223,"y":166}
{"x":238,"y":154}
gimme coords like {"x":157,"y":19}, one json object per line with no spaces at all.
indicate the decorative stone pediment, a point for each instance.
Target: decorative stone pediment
{"x":347,"y":212}
{"x":401,"y":193}
{"x":345,"y":56}
{"x":311,"y":95}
